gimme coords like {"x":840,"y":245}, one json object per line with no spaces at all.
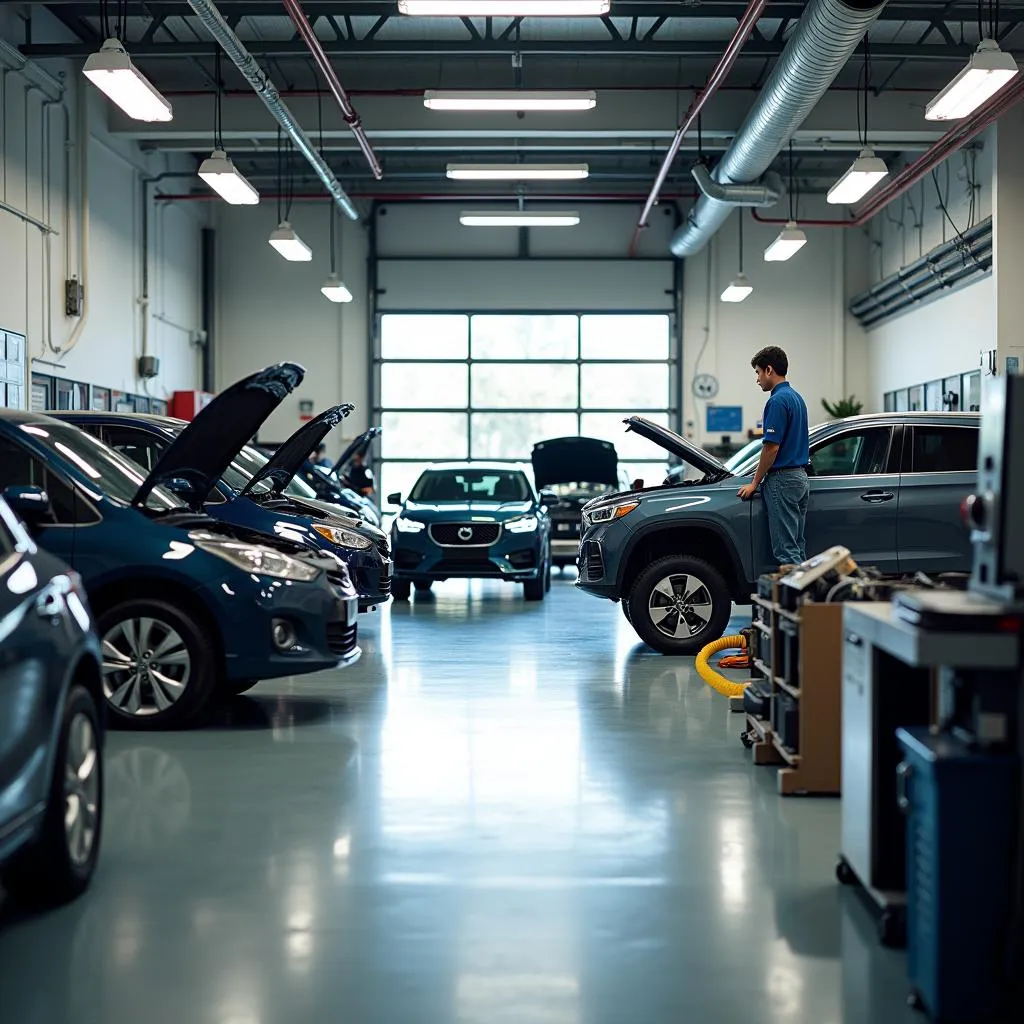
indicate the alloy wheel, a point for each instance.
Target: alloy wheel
{"x":81,"y":789}
{"x":680,"y":606}
{"x":146,"y":666}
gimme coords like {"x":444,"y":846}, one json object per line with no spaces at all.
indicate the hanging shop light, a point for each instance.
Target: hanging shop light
{"x":519,"y":218}
{"x":218,"y":170}
{"x":518,"y":172}
{"x":791,"y":239}
{"x":333,"y":288}
{"x":867,"y":170}
{"x":112,"y":72}
{"x":287,"y":242}
{"x":504,"y":8}
{"x":988,"y":70}
{"x":739,"y":288}
{"x":514,"y":100}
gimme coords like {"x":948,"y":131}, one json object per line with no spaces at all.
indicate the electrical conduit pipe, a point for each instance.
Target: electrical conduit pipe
{"x":715,"y":79}
{"x":725,"y":686}
{"x":348,"y":112}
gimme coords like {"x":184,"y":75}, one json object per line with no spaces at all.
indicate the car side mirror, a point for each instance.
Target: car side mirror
{"x":178,"y":485}
{"x":548,"y":498}
{"x":31,"y":504}
{"x":395,"y":499}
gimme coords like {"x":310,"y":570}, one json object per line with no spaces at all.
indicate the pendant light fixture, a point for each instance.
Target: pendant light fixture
{"x":739,"y":288}
{"x":217,"y":170}
{"x":284,"y":238}
{"x":514,"y":100}
{"x":790,"y":239}
{"x":111,"y":70}
{"x":988,"y":71}
{"x":504,"y":8}
{"x":333,"y":288}
{"x":867,"y":170}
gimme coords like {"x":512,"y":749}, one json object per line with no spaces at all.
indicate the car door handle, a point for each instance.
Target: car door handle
{"x":877,"y":497}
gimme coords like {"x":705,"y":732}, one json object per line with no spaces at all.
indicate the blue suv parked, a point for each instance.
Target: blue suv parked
{"x":185,"y":605}
{"x":252,"y":491}
{"x":51,"y":720}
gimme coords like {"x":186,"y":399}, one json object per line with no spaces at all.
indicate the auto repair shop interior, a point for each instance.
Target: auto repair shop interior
{"x":382,"y":635}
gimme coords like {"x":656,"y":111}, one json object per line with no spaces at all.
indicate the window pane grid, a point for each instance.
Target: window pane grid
{"x":453,"y":387}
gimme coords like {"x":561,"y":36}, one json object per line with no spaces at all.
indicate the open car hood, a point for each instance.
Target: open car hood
{"x":202,"y":452}
{"x":676,"y":445}
{"x":358,"y":447}
{"x":564,"y":460}
{"x":289,"y":458}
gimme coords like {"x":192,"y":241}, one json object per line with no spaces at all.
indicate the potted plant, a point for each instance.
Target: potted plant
{"x":844,"y":407}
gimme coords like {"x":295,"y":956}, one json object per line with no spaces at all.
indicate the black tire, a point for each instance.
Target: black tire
{"x":534,"y":590}
{"x":686,"y":576}
{"x":423,"y":586}
{"x":200,"y":678}
{"x":400,"y":590}
{"x":547,"y":579}
{"x":47,"y":873}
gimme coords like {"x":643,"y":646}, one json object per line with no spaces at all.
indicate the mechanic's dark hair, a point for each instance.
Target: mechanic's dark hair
{"x":774,"y":357}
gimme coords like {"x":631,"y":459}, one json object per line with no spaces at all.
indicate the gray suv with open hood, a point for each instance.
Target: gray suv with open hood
{"x":889,"y":487}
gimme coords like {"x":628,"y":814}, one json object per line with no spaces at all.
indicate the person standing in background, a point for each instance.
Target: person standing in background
{"x":785,"y":454}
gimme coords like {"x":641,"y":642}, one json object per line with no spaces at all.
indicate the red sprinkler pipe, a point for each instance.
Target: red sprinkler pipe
{"x":348,"y":112}
{"x":717,"y":77}
{"x":944,"y":148}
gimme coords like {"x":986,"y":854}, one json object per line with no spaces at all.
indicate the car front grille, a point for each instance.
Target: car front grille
{"x":592,"y":562}
{"x":385,"y":582}
{"x":465,"y":567}
{"x":339,"y":579}
{"x":468,"y":535}
{"x":342,"y":639}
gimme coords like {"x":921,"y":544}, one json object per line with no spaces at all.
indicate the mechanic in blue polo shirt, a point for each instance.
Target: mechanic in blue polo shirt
{"x":784,"y":458}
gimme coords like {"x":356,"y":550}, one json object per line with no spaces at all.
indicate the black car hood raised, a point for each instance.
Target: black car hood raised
{"x":290,"y":456}
{"x":357,"y":447}
{"x":202,"y":452}
{"x":672,"y":442}
{"x":564,"y":460}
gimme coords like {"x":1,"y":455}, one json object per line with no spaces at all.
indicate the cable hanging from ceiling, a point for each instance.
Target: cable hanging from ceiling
{"x":791,"y":239}
{"x":284,"y":238}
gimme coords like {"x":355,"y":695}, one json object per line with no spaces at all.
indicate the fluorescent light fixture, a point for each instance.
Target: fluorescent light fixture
{"x":112,"y":72}
{"x":289,"y":245}
{"x":738,"y":290}
{"x":518,"y":172}
{"x":519,"y":219}
{"x":222,"y":176}
{"x":335,"y":290}
{"x":504,"y":8}
{"x":789,"y":242}
{"x":988,"y":70}
{"x":864,"y":174}
{"x":509,"y":99}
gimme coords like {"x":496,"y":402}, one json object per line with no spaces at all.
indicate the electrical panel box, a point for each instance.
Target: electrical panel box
{"x":149,"y":366}
{"x":74,"y":297}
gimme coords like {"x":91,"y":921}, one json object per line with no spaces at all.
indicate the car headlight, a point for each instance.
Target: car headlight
{"x":609,"y":512}
{"x":404,"y":525}
{"x":341,"y":537}
{"x":521,"y":524}
{"x":257,"y":559}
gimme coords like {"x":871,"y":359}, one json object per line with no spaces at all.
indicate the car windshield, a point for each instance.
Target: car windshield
{"x":740,"y":458}
{"x":582,"y":487}
{"x":471,"y":485}
{"x":247,"y":463}
{"x":118,"y":477}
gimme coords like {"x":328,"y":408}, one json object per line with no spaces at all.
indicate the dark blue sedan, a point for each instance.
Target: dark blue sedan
{"x":51,"y":720}
{"x":185,"y":605}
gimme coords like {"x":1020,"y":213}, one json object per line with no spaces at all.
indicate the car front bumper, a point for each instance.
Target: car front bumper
{"x":596,"y":577}
{"x":514,"y":556}
{"x":323,"y":620}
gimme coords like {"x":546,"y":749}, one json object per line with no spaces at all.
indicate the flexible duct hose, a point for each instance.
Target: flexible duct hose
{"x":726,"y":687}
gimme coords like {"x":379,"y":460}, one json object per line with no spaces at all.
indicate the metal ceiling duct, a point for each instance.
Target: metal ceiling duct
{"x":267,"y":92}
{"x":734,"y":195}
{"x":824,"y":40}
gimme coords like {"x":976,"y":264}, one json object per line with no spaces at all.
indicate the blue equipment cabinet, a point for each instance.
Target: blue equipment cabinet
{"x":961,"y":847}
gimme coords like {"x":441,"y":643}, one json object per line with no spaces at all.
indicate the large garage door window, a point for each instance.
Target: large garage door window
{"x":489,"y":386}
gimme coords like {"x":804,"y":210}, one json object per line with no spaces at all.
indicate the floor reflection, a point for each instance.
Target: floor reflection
{"x":503,"y":812}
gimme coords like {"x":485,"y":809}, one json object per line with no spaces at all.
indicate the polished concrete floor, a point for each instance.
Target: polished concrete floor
{"x":504,"y":814}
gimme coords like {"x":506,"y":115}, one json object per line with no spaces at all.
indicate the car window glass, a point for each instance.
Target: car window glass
{"x":7,"y":542}
{"x":471,"y":485}
{"x":140,"y":447}
{"x":854,"y":454}
{"x":19,"y":468}
{"x":945,"y":449}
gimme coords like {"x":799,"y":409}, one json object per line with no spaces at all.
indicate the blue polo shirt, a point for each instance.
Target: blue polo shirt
{"x":785,"y":424}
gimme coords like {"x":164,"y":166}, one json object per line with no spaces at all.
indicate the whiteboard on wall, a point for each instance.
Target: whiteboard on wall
{"x":525,"y":284}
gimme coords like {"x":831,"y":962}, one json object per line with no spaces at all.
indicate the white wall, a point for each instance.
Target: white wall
{"x":32,"y":283}
{"x":271,"y":310}
{"x":944,"y":337}
{"x":797,"y":305}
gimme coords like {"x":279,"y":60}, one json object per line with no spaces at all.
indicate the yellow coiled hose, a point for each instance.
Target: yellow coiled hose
{"x":726,"y":687}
